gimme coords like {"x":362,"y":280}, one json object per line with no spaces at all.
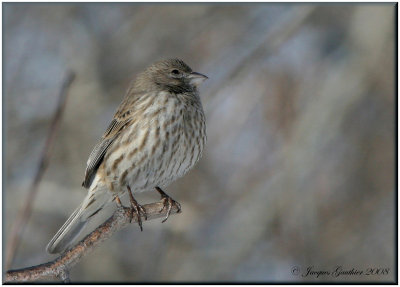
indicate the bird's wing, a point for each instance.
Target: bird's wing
{"x":97,"y":155}
{"x":122,"y":118}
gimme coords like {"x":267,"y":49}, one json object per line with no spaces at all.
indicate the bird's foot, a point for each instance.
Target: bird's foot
{"x":137,"y":209}
{"x":118,"y":201}
{"x":168,"y":203}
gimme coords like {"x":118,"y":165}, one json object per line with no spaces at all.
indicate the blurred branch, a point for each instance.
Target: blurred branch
{"x":26,"y":210}
{"x":282,"y":31}
{"x":60,"y":266}
{"x":277,"y":35}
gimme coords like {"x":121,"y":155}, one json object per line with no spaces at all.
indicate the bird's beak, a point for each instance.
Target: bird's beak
{"x":197,"y":78}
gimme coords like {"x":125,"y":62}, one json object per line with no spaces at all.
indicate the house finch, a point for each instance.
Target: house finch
{"x":156,"y":136}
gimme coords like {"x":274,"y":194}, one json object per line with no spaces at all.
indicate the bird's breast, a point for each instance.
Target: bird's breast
{"x":163,"y":143}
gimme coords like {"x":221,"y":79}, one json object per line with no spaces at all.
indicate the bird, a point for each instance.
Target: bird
{"x":156,"y":136}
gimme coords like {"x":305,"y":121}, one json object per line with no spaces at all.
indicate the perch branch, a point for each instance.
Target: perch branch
{"x":26,"y":210}
{"x":60,"y":266}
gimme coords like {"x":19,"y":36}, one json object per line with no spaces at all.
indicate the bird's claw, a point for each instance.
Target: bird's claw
{"x":137,"y":209}
{"x":168,"y":203}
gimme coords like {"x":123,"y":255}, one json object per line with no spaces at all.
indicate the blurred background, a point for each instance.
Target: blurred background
{"x":298,"y":170}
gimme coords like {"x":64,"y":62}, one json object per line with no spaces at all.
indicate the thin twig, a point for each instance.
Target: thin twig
{"x":26,"y":210}
{"x":60,"y":266}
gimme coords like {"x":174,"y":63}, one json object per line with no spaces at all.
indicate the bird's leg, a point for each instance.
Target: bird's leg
{"x":118,"y":201}
{"x":136,"y":208}
{"x":168,"y":203}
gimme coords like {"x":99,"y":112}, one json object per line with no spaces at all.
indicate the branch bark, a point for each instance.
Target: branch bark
{"x":60,"y":266}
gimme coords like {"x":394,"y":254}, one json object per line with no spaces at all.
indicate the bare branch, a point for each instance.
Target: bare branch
{"x":26,"y":210}
{"x":60,"y":266}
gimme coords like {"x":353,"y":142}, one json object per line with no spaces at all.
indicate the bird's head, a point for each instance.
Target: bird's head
{"x":172,"y":75}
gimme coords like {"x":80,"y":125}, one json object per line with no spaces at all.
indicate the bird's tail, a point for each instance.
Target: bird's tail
{"x":96,"y":208}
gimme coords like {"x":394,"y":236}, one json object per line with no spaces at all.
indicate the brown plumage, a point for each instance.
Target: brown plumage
{"x":156,"y":136}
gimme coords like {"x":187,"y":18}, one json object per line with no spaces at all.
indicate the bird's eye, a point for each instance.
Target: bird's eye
{"x":175,"y":72}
